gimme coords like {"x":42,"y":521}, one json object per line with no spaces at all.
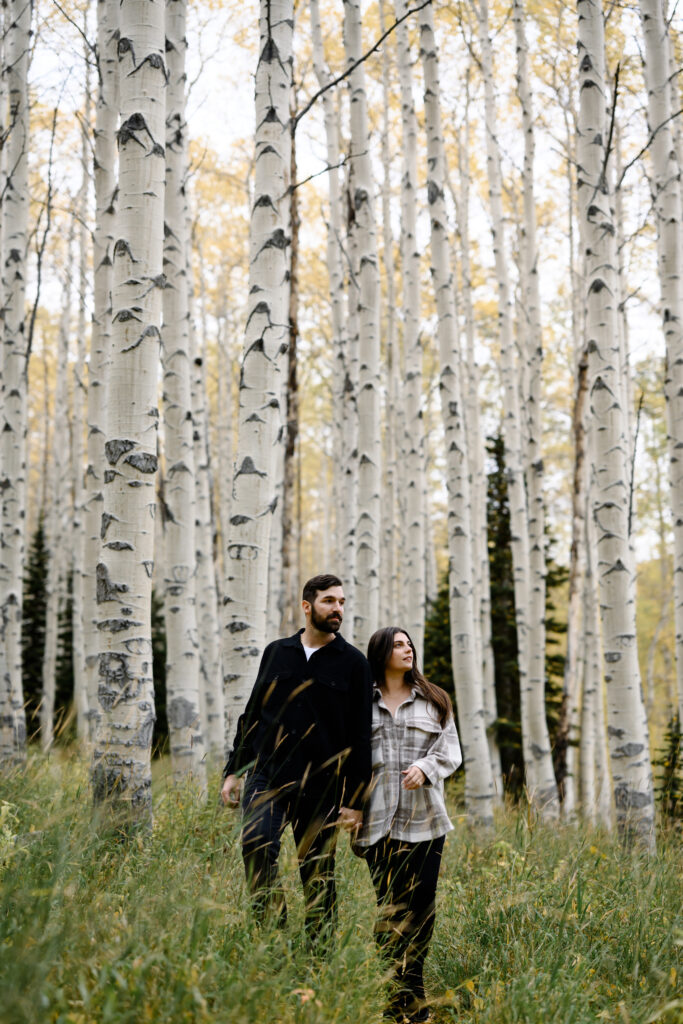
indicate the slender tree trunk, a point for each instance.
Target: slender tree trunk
{"x":532,"y":347}
{"x":180,"y":614}
{"x":627,"y":723}
{"x":106,"y":193}
{"x":366,"y":271}
{"x":335,"y":269}
{"x":392,"y":526}
{"x":540,"y":778}
{"x":476,"y":450}
{"x":14,"y":366}
{"x":413,"y":563}
{"x":208,"y":625}
{"x":79,"y":400}
{"x":58,"y":523}
{"x":479,"y":789}
{"x":667,"y":202}
{"x":260,"y":414}
{"x":121,"y":768}
{"x":290,"y":525}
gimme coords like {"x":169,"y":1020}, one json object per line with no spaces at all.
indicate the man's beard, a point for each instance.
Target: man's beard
{"x":325,"y":625}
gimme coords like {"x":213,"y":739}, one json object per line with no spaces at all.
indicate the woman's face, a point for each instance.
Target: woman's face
{"x":401,"y":657}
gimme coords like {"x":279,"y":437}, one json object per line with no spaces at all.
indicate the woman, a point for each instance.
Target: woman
{"x":414,"y":747}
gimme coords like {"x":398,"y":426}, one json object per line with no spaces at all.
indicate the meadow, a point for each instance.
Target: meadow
{"x":534,"y":924}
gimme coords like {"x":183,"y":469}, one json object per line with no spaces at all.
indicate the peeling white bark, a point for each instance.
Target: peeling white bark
{"x":260,"y":413}
{"x":626,"y":719}
{"x":479,"y":789}
{"x":14,"y":233}
{"x":186,"y":737}
{"x":121,"y":756}
{"x":366,"y":270}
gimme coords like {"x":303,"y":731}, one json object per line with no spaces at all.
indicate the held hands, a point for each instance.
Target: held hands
{"x":350,"y":820}
{"x":231,"y":791}
{"x":413,"y":777}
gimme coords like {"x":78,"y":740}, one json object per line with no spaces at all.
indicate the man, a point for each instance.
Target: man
{"x":305,"y":739}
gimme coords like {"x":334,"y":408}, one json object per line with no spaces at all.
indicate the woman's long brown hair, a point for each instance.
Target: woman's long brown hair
{"x":379,"y":652}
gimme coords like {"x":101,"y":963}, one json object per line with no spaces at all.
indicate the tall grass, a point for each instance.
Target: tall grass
{"x":533,"y":925}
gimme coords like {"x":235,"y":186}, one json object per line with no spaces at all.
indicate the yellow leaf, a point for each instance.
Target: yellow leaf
{"x":469,"y":985}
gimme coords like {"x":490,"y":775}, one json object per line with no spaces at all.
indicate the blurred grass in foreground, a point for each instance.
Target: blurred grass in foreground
{"x":533,"y":925}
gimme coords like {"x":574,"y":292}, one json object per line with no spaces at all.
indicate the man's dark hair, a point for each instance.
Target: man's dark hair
{"x":316,"y":583}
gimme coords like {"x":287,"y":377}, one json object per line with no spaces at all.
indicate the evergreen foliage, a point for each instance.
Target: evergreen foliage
{"x":33,"y":627}
{"x":438,"y":666}
{"x":669,"y":784}
{"x":160,"y":734}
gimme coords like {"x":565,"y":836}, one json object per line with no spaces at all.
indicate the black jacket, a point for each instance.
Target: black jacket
{"x":307,"y":723}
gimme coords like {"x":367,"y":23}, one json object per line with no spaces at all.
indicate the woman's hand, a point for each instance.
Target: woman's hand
{"x":413,"y":777}
{"x":231,"y":791}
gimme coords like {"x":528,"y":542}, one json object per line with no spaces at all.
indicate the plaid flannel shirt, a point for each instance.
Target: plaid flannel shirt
{"x":413,"y":736}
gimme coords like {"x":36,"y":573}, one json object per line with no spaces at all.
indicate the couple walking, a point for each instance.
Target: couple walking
{"x":329,"y":739}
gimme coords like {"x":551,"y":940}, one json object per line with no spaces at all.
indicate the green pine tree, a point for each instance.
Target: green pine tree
{"x":33,"y":627}
{"x":669,"y":784}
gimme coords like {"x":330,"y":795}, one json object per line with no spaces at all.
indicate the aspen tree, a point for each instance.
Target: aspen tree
{"x":479,"y":790}
{"x":260,"y":413}
{"x":78,"y":433}
{"x":538,"y":765}
{"x":335,"y":270}
{"x":476,"y":456}
{"x":208,"y":625}
{"x":626,"y":719}
{"x":13,"y":364}
{"x":366,"y":270}
{"x":182,"y":650}
{"x":58,"y":526}
{"x":391,"y":494}
{"x":106,"y":193}
{"x":413,"y":564}
{"x":531,"y":341}
{"x":121,"y":755}
{"x":667,"y":199}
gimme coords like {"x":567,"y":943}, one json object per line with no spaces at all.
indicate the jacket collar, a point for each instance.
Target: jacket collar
{"x":295,"y":641}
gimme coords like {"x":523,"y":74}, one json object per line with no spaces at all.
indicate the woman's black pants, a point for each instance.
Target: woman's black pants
{"x":405,"y":876}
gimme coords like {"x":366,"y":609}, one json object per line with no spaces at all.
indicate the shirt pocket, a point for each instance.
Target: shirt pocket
{"x":421,"y":732}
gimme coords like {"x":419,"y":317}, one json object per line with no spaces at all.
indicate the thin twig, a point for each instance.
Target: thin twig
{"x":334,"y":167}
{"x":41,"y":248}
{"x":645,"y":148}
{"x":335,"y":81}
{"x":633,"y":460}
{"x":75,"y":24}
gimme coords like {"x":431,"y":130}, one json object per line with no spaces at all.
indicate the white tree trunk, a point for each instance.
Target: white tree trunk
{"x":187,"y":741}
{"x":627,"y":723}
{"x":208,"y":622}
{"x":392,"y":527}
{"x":105,"y":160}
{"x":58,"y":522}
{"x":366,"y":270}
{"x":540,"y":778}
{"x":476,"y":455}
{"x":532,"y":346}
{"x":121,"y":756}
{"x":479,"y":788}
{"x":667,"y":202}
{"x":413,"y":563}
{"x":260,"y":413}
{"x":335,"y":270}
{"x":14,"y":234}
{"x":78,"y":443}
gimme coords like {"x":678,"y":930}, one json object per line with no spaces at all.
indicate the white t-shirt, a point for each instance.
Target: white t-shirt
{"x":309,"y":650}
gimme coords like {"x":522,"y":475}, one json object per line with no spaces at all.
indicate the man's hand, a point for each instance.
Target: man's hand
{"x":350,"y":820}
{"x":231,"y":791}
{"x":413,"y":777}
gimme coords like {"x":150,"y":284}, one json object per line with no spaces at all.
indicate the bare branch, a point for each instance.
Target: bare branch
{"x":330,"y":85}
{"x":342,"y":163}
{"x":647,"y":145}
{"x":41,"y":248}
{"x":72,"y":21}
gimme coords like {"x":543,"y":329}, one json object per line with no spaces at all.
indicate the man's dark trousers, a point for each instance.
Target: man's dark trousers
{"x":313,"y":817}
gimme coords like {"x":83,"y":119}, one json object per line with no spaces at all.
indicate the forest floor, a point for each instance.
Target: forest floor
{"x":534,"y":924}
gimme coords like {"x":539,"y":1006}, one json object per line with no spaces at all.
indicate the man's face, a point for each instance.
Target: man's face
{"x":327,"y":610}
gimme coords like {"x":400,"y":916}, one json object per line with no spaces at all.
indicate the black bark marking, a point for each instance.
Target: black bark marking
{"x":144,"y":462}
{"x":248,"y":468}
{"x":116,"y":625}
{"x":105,"y":589}
{"x":113,"y":451}
{"x":181,"y":713}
